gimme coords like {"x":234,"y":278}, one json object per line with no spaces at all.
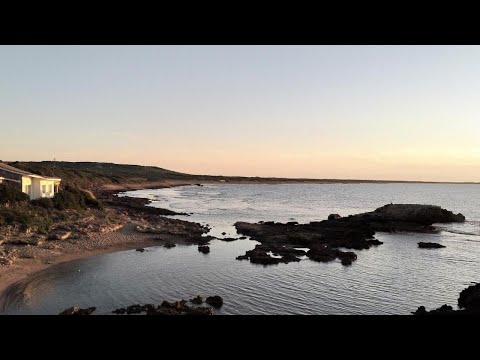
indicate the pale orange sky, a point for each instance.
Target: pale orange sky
{"x":351,"y":112}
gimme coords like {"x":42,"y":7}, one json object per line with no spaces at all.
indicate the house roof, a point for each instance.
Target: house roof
{"x":12,"y":169}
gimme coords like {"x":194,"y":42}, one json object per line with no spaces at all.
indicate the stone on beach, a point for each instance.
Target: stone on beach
{"x":59,"y":235}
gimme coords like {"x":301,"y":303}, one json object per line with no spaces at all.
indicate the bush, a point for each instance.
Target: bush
{"x":73,"y":198}
{"x":26,"y":219}
{"x":10,"y":194}
{"x":46,"y":203}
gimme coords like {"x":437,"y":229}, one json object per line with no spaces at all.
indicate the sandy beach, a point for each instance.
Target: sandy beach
{"x":108,"y":237}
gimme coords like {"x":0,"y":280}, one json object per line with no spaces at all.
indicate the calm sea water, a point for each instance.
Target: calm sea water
{"x":394,"y":278}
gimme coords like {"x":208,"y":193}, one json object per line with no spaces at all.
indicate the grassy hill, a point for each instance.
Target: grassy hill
{"x":92,"y":174}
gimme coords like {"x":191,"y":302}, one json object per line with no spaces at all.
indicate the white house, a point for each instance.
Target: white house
{"x":35,"y":186}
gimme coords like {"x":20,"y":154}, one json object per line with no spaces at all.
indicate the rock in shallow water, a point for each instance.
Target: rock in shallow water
{"x":197,"y":300}
{"x":204,"y":249}
{"x":468,"y":302}
{"x":216,"y":301}
{"x":75,"y":310}
{"x":429,"y":245}
{"x":352,"y":232}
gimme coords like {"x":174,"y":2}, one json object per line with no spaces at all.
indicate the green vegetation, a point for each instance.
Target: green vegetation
{"x":26,"y":217}
{"x":17,"y":211}
{"x":69,"y":198}
{"x":10,"y":194}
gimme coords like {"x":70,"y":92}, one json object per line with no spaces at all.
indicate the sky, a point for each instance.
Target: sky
{"x":340,"y":112}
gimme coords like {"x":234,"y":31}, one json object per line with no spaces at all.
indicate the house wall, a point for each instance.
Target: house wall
{"x":26,"y":185}
{"x":1,"y":180}
{"x":42,"y":188}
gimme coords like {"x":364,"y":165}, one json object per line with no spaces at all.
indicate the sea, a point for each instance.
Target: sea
{"x":394,"y":278}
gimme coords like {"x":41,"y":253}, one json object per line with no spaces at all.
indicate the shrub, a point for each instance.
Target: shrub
{"x":73,"y":198}
{"x":9,"y":194}
{"x":46,"y":203}
{"x":26,"y":219}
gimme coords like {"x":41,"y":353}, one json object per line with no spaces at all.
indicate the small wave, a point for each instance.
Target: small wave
{"x":459,"y":232}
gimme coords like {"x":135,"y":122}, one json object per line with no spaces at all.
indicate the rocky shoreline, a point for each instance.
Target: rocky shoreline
{"x":468,"y":304}
{"x":165,"y":308}
{"x":126,"y":223}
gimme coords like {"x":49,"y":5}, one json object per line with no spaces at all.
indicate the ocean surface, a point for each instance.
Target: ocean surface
{"x":393,"y":278}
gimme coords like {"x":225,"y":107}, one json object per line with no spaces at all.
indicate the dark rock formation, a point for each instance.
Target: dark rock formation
{"x":197,"y":300}
{"x":216,"y":301}
{"x":134,"y":309}
{"x":169,"y":244}
{"x":166,"y":308}
{"x":227,"y":239}
{"x":429,"y":245}
{"x":130,"y":204}
{"x":75,"y":310}
{"x":281,"y":254}
{"x":351,"y":232}
{"x":442,"y":310}
{"x":470,"y":298}
{"x":204,"y":249}
{"x":468,"y":302}
{"x":120,"y":311}
{"x":141,"y":250}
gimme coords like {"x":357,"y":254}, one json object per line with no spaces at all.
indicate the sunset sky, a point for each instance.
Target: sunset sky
{"x":350,"y":112}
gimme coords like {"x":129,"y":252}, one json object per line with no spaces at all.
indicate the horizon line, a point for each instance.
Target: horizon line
{"x":261,"y":177}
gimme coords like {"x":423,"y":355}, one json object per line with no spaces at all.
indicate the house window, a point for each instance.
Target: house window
{"x":50,"y":189}
{"x":44,"y":189}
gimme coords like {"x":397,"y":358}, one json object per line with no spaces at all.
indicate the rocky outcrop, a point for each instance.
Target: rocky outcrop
{"x":442,"y":310}
{"x":406,"y":218}
{"x":197,"y":300}
{"x":169,"y":244}
{"x":78,"y":311}
{"x":227,"y":239}
{"x":429,"y":245}
{"x":468,"y":303}
{"x":216,"y":301}
{"x":140,"y":250}
{"x":204,"y":249}
{"x":469,"y":298}
{"x":130,"y":204}
{"x":323,"y":238}
{"x":166,"y":308}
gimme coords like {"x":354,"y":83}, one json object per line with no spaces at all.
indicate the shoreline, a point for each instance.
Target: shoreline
{"x":33,"y":259}
{"x":124,"y":239}
{"x":28,"y":267}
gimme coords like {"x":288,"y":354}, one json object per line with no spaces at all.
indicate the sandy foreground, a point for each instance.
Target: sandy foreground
{"x":33,"y":258}
{"x":126,"y":238}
